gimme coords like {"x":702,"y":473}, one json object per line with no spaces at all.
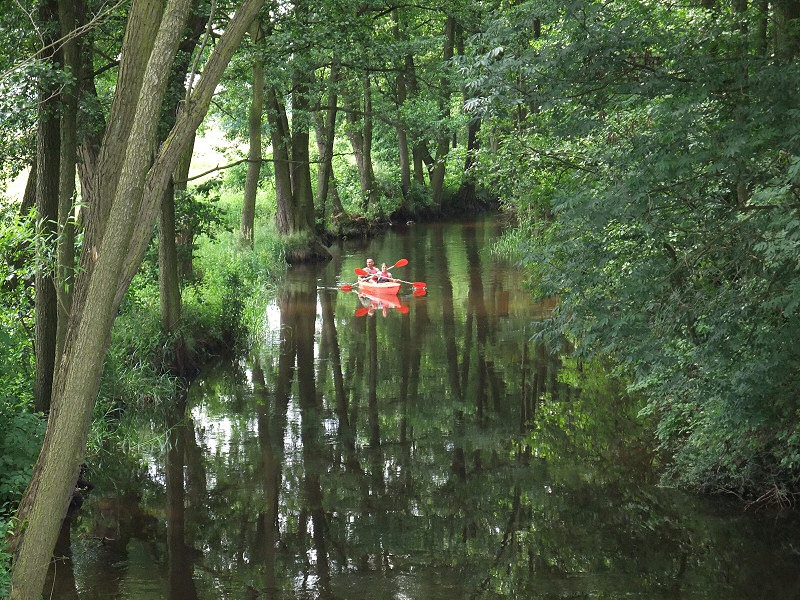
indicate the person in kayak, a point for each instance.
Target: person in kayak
{"x":371,"y":269}
{"x":384,"y":274}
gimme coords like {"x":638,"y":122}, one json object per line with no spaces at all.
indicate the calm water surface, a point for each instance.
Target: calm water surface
{"x":422,"y":448}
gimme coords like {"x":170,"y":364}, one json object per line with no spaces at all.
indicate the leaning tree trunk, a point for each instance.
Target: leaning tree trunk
{"x":108,"y":264}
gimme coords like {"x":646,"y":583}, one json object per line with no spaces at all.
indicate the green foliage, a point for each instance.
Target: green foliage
{"x":17,"y":96}
{"x":23,"y":432}
{"x":198,"y":212}
{"x":388,"y":199}
{"x":5,"y":559}
{"x":22,"y":429}
{"x":197,"y":209}
{"x":651,"y":155}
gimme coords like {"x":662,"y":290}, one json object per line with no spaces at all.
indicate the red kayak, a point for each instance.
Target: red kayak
{"x":387,"y":288}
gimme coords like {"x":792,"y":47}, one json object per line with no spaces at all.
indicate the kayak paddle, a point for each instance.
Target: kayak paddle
{"x":415,"y":284}
{"x":347,"y":287}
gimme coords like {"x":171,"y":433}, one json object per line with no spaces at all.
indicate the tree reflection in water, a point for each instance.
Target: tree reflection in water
{"x":433,"y":454}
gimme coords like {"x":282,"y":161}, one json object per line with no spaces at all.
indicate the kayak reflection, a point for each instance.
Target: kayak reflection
{"x":376,"y":302}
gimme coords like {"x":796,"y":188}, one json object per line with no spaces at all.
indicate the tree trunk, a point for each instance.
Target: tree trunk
{"x":787,"y":38}
{"x":108,"y":265}
{"x":368,"y":177}
{"x":443,"y":144}
{"x":65,"y":273}
{"x":302,"y":188}
{"x":293,"y":188}
{"x":466,"y":192}
{"x":417,"y":149}
{"x":326,"y":136}
{"x":402,"y":136}
{"x":246,"y":232}
{"x":47,"y":179}
{"x":359,"y":131}
{"x":169,"y":272}
{"x":143,"y":22}
{"x":91,"y":140}
{"x":762,"y":27}
{"x":402,"y":147}
{"x":168,"y":278}
{"x":185,"y":236}
{"x":279,"y":132}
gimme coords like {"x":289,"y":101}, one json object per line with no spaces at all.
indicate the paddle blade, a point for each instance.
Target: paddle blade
{"x":400,"y":263}
{"x":346,"y":287}
{"x":360,"y":272}
{"x":419,"y":292}
{"x":360,"y":312}
{"x":419,"y":284}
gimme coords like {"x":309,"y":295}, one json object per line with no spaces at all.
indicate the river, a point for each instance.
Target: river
{"x":421,"y":448}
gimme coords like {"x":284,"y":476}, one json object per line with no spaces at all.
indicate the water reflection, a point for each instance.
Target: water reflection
{"x":431,"y":453}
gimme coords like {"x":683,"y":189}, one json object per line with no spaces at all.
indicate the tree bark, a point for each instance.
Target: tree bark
{"x":246,"y":231}
{"x":65,"y":273}
{"x":302,"y":188}
{"x":47,"y":179}
{"x":293,"y":187}
{"x":168,"y":278}
{"x":326,"y":136}
{"x":279,"y":128}
{"x":108,"y":265}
